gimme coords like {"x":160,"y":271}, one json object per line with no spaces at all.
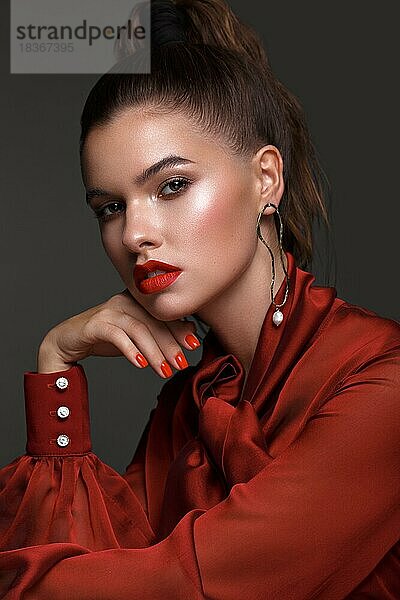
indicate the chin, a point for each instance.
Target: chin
{"x":165,"y":307}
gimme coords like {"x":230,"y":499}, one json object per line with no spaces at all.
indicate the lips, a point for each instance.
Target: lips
{"x":141,"y":272}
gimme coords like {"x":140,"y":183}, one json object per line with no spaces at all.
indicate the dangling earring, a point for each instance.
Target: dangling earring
{"x":277,"y":317}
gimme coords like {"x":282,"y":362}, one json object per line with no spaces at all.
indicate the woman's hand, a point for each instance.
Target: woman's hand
{"x":118,"y":327}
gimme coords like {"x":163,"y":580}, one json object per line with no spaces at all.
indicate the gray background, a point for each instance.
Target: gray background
{"x":338,"y":58}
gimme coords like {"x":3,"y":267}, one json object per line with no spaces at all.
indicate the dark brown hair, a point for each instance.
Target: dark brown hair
{"x":221,"y":78}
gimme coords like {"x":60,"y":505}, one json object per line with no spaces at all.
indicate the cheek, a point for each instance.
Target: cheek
{"x":213,"y":212}
{"x":111,"y":240}
{"x":226,"y":216}
{"x":218,"y":225}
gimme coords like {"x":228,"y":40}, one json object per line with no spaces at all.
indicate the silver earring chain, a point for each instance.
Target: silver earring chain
{"x":277,"y":317}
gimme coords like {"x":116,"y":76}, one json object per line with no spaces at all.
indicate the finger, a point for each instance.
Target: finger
{"x":110,"y":333}
{"x":169,"y":345}
{"x":185,"y":333}
{"x":155,"y":343}
{"x":170,"y":341}
{"x":118,"y":312}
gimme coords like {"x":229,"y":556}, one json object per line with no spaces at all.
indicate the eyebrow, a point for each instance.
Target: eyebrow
{"x":168,"y":161}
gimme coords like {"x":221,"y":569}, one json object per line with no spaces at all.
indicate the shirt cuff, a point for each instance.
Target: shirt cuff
{"x":57,"y":412}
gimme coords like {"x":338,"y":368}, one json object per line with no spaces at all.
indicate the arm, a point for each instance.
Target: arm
{"x":311,"y":525}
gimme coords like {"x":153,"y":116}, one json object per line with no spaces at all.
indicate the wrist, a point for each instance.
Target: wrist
{"x":48,"y":361}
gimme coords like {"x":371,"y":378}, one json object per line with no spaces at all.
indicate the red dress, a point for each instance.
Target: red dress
{"x":287,"y":491}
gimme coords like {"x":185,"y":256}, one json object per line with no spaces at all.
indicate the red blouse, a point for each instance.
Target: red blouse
{"x":287,"y":489}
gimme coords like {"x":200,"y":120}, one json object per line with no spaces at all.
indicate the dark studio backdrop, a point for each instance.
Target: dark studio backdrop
{"x":338,"y":58}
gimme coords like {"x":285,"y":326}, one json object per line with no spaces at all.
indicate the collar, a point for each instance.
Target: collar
{"x":221,"y":374}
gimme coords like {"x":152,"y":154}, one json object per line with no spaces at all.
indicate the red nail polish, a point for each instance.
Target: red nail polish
{"x":181,"y":360}
{"x":166,"y":369}
{"x":141,"y":360}
{"x":192,"y":341}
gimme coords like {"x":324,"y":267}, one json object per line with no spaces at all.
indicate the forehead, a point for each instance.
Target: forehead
{"x":116,"y":154}
{"x":148,"y":135}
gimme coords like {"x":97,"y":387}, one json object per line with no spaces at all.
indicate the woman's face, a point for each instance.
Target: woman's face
{"x":198,"y":214}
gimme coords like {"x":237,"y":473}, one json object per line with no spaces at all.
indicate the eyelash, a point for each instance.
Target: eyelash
{"x":100,"y":216}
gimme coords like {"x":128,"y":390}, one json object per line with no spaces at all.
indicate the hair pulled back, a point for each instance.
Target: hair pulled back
{"x":211,"y":66}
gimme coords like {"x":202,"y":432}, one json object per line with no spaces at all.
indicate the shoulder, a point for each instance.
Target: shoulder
{"x":356,"y":360}
{"x":369,"y":347}
{"x":352,"y":345}
{"x":367,"y":320}
{"x":354,"y":327}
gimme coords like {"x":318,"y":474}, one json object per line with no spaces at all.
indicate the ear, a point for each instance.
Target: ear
{"x":268,"y":168}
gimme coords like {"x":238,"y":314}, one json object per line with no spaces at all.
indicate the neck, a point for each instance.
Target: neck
{"x":237,"y":315}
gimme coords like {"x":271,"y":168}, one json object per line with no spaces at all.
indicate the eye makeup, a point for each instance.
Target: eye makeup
{"x":102,"y":216}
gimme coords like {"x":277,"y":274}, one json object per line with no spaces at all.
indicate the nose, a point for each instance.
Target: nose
{"x":142,"y":229}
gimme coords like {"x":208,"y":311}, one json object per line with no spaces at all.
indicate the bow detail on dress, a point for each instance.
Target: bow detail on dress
{"x":229,"y":447}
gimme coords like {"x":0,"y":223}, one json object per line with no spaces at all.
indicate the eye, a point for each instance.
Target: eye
{"x":177,"y":184}
{"x":108,"y":211}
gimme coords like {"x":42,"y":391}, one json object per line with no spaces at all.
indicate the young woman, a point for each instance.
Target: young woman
{"x":270,"y":469}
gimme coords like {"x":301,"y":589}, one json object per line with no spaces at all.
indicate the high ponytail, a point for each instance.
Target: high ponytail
{"x":221,"y":78}
{"x":213,"y":23}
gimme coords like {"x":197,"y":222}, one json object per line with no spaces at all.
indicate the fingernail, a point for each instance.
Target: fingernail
{"x":141,"y":360}
{"x":166,"y":369}
{"x":192,"y":341}
{"x":181,"y":361}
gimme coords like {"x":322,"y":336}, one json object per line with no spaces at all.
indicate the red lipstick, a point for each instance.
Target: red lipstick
{"x":155,"y":283}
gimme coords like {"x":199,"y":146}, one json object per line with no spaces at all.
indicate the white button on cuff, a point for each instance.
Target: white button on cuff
{"x":62,"y":383}
{"x":63,"y":412}
{"x":63,"y":440}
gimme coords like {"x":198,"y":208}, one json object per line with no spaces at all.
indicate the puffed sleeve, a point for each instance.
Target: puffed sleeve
{"x":312,"y":524}
{"x":60,"y":490}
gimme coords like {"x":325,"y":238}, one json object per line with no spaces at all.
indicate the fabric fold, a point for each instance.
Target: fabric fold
{"x":80,"y":499}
